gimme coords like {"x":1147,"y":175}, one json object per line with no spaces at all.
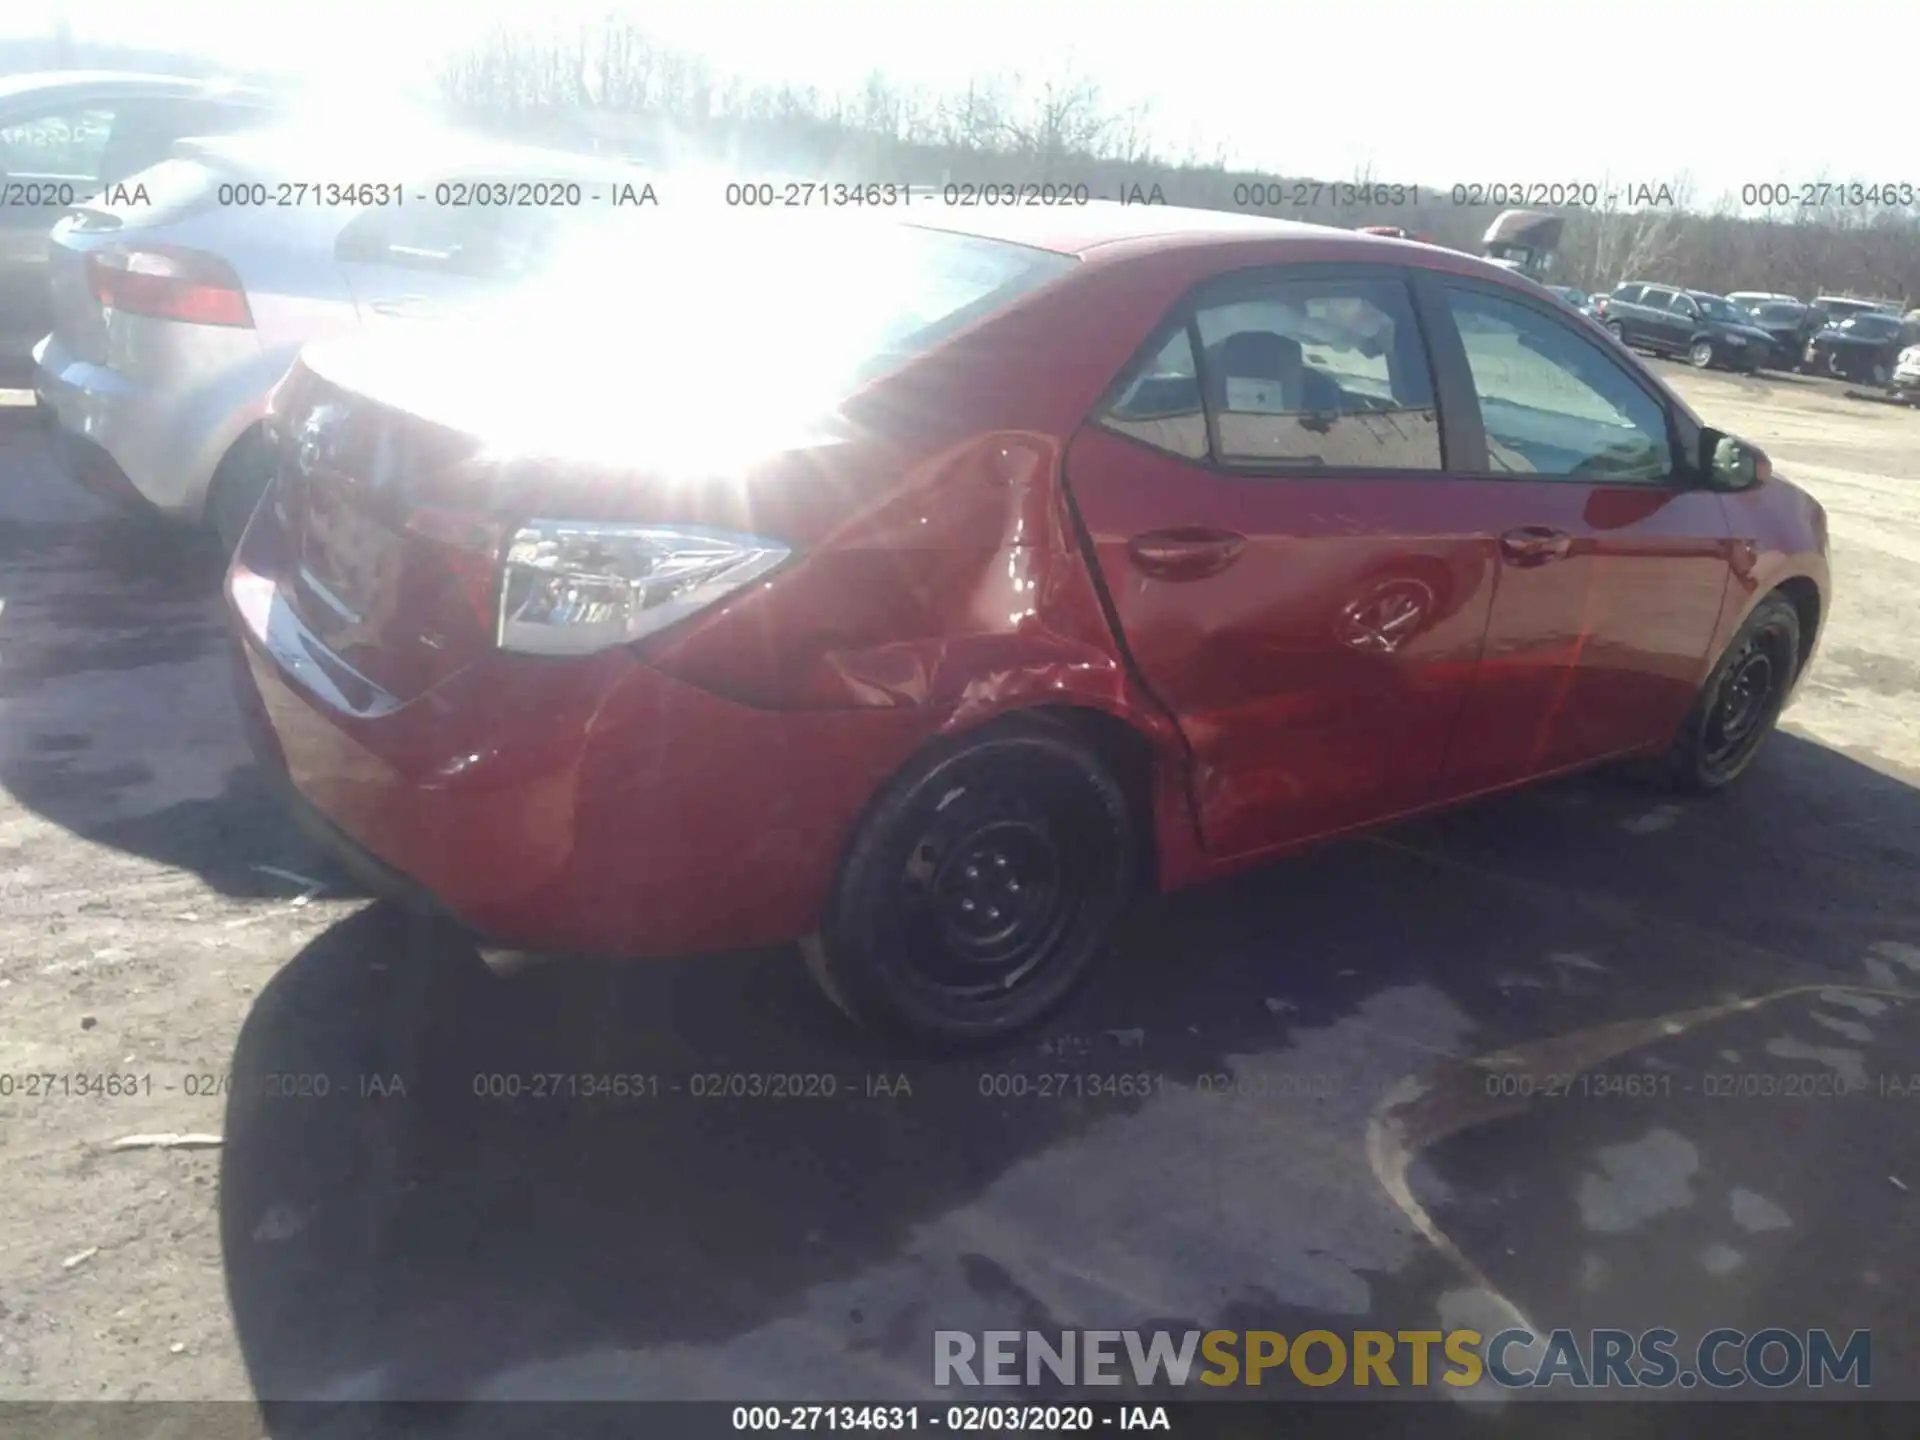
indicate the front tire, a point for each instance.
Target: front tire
{"x":982,"y":885}
{"x":1738,"y":706}
{"x":1700,"y":354}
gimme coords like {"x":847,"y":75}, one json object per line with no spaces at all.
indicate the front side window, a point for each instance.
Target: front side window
{"x":1554,"y":404}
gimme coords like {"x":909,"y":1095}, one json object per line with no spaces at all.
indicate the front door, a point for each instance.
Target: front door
{"x":1296,"y":579}
{"x":1613,"y":569}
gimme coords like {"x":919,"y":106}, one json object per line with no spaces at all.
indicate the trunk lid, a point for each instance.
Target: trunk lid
{"x":399,"y":589}
{"x":405,"y":464}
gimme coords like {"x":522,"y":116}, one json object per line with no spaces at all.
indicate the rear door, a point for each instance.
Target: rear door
{"x":1612,"y":574}
{"x":1296,"y":578}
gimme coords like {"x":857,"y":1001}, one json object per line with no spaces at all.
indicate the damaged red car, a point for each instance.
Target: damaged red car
{"x":922,"y":589}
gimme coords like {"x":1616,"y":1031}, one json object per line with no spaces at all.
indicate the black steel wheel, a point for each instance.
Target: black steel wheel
{"x":984,"y":882}
{"x":1741,"y":700}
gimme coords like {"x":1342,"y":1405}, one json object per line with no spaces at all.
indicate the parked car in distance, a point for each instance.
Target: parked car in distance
{"x":1069,"y":552}
{"x":1789,"y":324}
{"x":1840,"y":307}
{"x":1905,"y":383}
{"x":1706,"y":329}
{"x":175,"y":317}
{"x":1754,"y":299}
{"x":66,"y":133}
{"x":1863,"y":347}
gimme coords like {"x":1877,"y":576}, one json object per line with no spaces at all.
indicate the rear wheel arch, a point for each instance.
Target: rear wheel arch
{"x":1126,"y":748}
{"x":1096,"y":757}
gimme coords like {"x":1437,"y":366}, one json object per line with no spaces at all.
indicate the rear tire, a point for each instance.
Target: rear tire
{"x":1738,"y":706}
{"x":982,"y":885}
{"x":1700,"y":354}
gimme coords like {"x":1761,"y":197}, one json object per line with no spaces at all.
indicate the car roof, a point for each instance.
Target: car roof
{"x":1101,"y":232}
{"x":1081,"y":229}
{"x":53,"y":84}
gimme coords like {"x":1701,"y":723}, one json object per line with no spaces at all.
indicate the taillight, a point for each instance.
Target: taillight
{"x":168,"y":283}
{"x":573,"y":587}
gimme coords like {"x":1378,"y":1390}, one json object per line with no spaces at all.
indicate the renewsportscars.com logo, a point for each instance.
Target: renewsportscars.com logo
{"x":1722,"y":1359}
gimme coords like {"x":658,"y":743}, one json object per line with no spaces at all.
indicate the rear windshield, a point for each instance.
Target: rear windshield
{"x":1781,"y":312}
{"x":155,"y":196}
{"x":821,"y":302}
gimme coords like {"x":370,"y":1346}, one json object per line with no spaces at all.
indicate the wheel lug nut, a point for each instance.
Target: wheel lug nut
{"x":967,"y":905}
{"x":973,"y":872}
{"x":993,"y":912}
{"x":1013,"y":887}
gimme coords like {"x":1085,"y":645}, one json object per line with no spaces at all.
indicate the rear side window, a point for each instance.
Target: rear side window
{"x":1628,"y":294}
{"x":1161,"y":404}
{"x":1556,"y":405}
{"x":1306,"y":375}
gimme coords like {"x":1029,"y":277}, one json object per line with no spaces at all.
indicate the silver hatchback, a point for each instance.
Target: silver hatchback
{"x":181,"y":299}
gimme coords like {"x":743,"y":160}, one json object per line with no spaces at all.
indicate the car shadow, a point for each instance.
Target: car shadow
{"x":550,"y":1183}
{"x":117,"y":680}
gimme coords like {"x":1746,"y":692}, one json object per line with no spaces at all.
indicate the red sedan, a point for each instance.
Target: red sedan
{"x":921,"y":591}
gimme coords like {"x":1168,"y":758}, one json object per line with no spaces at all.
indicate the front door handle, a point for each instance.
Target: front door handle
{"x":1188,"y":553}
{"x":1535,"y":545}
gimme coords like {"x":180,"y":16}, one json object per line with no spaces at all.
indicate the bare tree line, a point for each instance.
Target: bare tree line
{"x":610,"y":86}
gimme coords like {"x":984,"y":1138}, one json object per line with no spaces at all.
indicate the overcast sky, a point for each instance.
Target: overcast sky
{"x":1561,"y":90}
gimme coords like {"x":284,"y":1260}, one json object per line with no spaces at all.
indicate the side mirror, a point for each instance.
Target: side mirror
{"x":1729,"y":463}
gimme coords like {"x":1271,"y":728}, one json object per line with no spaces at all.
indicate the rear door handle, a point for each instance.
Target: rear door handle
{"x":1188,"y":553}
{"x":1535,"y":545}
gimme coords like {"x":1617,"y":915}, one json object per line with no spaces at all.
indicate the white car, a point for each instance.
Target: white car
{"x":1905,"y":383}
{"x":182,"y":299}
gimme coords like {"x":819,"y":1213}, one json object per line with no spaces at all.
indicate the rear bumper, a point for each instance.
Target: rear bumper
{"x":87,"y":464}
{"x":593,"y":805}
{"x":164,"y":424}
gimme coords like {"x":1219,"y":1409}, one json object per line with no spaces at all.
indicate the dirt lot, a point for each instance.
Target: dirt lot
{"x":398,"y":1235}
